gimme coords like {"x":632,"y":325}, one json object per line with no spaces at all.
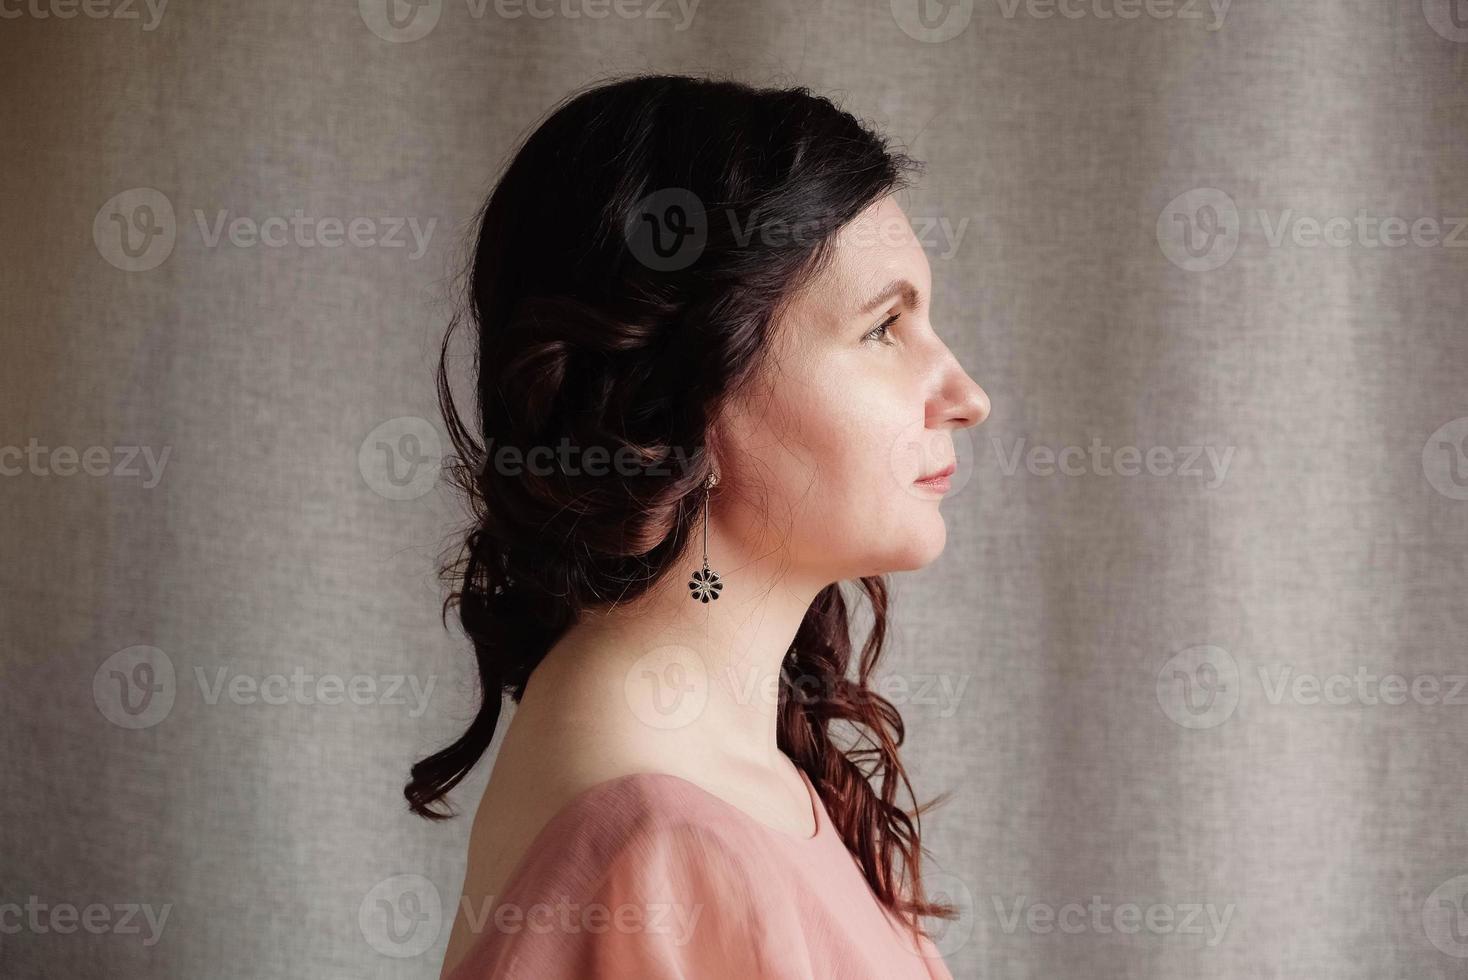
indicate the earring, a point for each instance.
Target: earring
{"x":705,"y":584}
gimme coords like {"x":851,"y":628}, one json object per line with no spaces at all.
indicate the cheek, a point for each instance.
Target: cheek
{"x":846,"y":433}
{"x":820,"y":454}
{"x":840,"y":439}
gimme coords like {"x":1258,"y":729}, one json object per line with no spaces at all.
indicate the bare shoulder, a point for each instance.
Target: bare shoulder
{"x":568,"y":785}
{"x":526,"y":791}
{"x":576,"y":773}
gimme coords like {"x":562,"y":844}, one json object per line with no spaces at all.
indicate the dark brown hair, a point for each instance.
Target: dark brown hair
{"x":590,"y":330}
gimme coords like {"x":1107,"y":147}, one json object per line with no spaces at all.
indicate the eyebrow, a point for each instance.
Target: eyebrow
{"x":896,"y":287}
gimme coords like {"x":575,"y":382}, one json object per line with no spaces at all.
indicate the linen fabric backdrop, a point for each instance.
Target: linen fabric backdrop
{"x":1191,"y":663}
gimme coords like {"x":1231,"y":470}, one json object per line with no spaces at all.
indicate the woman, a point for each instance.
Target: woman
{"x":708,"y":391}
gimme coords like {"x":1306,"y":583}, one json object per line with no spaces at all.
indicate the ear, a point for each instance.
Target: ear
{"x":716,"y":449}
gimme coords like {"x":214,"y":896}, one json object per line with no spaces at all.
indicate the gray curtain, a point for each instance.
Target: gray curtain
{"x":1191,"y":665}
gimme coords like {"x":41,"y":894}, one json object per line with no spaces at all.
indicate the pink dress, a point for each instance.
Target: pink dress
{"x":649,"y":876}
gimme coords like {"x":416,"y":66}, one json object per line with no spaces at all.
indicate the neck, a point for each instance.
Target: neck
{"x":702,"y":679}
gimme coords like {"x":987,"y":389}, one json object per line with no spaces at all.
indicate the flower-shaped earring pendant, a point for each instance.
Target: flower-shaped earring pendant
{"x":704,"y":586}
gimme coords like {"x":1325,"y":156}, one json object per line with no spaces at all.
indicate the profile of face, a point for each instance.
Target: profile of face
{"x":860,"y":402}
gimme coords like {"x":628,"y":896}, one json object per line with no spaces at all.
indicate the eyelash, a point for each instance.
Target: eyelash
{"x":880,"y":331}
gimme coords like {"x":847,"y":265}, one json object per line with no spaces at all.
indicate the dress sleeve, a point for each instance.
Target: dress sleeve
{"x":675,"y":903}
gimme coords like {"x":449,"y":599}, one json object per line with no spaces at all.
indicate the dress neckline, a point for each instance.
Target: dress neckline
{"x":580,"y":799}
{"x":819,"y":818}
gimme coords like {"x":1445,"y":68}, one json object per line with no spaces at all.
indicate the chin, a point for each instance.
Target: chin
{"x":922,"y":545}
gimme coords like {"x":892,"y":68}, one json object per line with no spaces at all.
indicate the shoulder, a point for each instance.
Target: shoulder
{"x":639,"y":827}
{"x":643,"y":874}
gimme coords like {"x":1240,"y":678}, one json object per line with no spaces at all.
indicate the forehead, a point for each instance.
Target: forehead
{"x":866,"y":254}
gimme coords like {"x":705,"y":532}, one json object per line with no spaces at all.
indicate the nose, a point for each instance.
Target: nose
{"x":960,"y":402}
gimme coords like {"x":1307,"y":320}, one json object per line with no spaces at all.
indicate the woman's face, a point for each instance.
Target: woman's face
{"x":825,"y":451}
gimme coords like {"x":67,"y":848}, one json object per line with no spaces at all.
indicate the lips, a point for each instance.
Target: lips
{"x":939,"y":476}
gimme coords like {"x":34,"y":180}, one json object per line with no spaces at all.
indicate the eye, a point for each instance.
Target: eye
{"x":880,"y":331}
